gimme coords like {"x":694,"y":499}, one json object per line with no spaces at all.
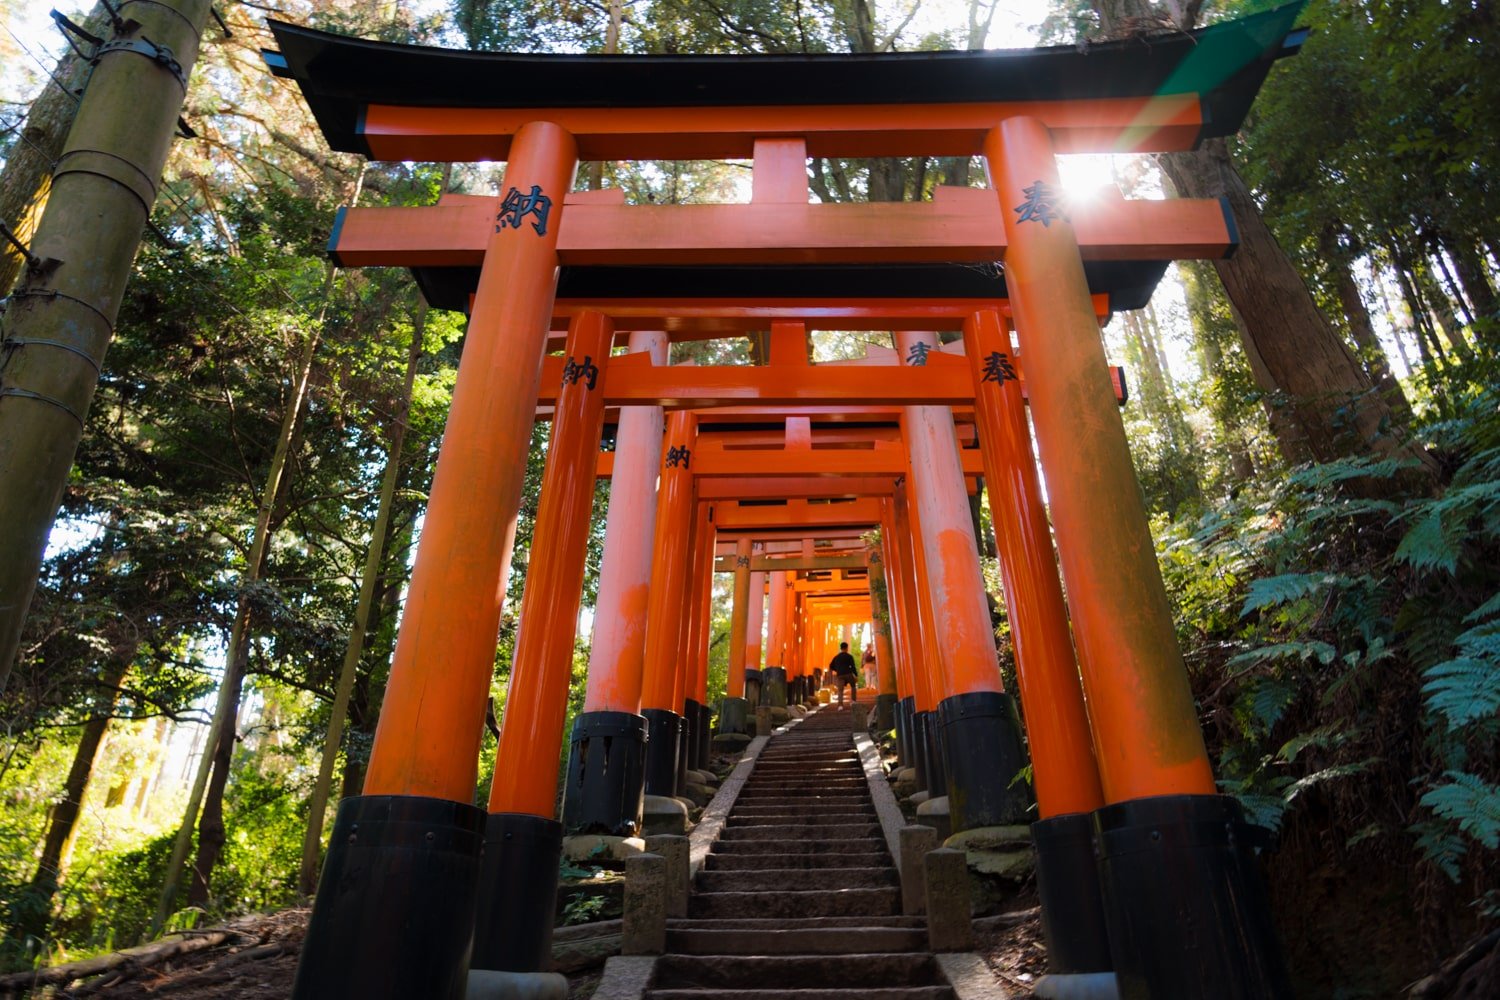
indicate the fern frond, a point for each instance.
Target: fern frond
{"x":1471,"y":802}
{"x":1463,"y":690}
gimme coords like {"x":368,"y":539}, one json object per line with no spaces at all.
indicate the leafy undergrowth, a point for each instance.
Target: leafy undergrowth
{"x":1343,"y":633}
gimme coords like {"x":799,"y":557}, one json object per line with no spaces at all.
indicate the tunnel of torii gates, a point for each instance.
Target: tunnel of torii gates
{"x":1142,"y":867}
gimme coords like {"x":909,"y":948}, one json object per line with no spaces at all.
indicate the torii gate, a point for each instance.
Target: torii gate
{"x":1169,"y":848}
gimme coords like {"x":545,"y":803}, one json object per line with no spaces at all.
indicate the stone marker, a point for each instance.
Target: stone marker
{"x":916,"y":841}
{"x":487,"y":984}
{"x":675,"y":851}
{"x":861,"y":716}
{"x":662,"y":814}
{"x":643,"y":925}
{"x":949,"y":925}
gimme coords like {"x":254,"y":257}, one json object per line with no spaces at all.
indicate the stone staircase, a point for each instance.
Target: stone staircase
{"x":800,"y":898}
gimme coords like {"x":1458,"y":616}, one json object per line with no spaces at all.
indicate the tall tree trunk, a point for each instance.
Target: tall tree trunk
{"x":48,"y":876}
{"x":307,"y":879}
{"x":28,"y":168}
{"x":84,"y":247}
{"x":1391,"y":318}
{"x":1358,"y":319}
{"x":1476,"y":285}
{"x":1332,"y":407}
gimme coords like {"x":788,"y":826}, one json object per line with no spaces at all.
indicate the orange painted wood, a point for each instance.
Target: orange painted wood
{"x":617,"y":649}
{"x":945,"y":543}
{"x":1062,"y":748}
{"x":796,"y":514}
{"x":1105,"y":125}
{"x":954,"y":230}
{"x":739,"y":620}
{"x":427,"y":740}
{"x":1146,"y":733}
{"x":531,"y":728}
{"x":670,"y":565}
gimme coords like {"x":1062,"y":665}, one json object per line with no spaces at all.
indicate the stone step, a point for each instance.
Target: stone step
{"x":810,"y":861}
{"x":797,"y":846}
{"x":799,"y":807}
{"x":806,"y":941}
{"x":780,"y":879}
{"x":796,"y":903}
{"x":858,"y":970}
{"x":793,"y":923}
{"x":842,"y":817}
{"x":863,"y":993}
{"x":833,"y":831}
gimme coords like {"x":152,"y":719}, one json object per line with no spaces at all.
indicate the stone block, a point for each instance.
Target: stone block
{"x":625,"y":977}
{"x":934,"y":813}
{"x":916,"y":841}
{"x":860,"y":713}
{"x":597,"y":846}
{"x":733,"y":742}
{"x":488,"y":984}
{"x":664,"y":815}
{"x":643,"y":925}
{"x":763,"y":721}
{"x":949,"y":924}
{"x":675,"y":851}
{"x":697,"y":792}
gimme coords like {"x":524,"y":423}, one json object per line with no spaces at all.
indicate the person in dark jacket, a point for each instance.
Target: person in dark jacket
{"x":844,"y":672}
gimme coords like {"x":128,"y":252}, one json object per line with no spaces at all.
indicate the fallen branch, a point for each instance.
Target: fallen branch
{"x":144,"y":955}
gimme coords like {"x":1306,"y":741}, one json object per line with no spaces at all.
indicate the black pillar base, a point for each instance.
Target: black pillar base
{"x":983,"y":753}
{"x":705,"y":733}
{"x":752,"y":685}
{"x":1067,"y":881}
{"x":933,"y":754}
{"x":394,"y":911}
{"x":606,"y":774}
{"x":885,"y":713}
{"x":905,"y":709}
{"x":663,"y":739}
{"x":1187,"y":913}
{"x":773,"y":687}
{"x":688,"y":741}
{"x":518,"y":893}
{"x":733,"y":714}
{"x":917,"y":731}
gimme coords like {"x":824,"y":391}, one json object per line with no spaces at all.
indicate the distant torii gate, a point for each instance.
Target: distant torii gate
{"x":1175,"y":880}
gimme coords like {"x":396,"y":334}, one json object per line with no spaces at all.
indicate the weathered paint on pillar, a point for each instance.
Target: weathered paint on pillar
{"x":776,"y":621}
{"x":927,"y":681}
{"x":755,"y":625}
{"x":880,"y":616}
{"x":955,"y":579}
{"x":671,"y":556}
{"x":1066,"y":776}
{"x":618,"y":649}
{"x":427,"y":741}
{"x":701,"y":592}
{"x":1145,"y":725}
{"x":531,"y":730}
{"x":739,"y":620}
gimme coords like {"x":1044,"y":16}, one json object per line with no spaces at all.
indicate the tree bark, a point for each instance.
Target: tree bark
{"x":60,"y":319}
{"x":48,"y":876}
{"x":1476,"y":284}
{"x":28,"y":168}
{"x":1332,"y":409}
{"x":1360,"y":328}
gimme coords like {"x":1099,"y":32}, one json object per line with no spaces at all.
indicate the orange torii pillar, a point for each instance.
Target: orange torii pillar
{"x":796,"y":693}
{"x":735,"y":710}
{"x":690,"y":689}
{"x":702,"y":633}
{"x":411,"y":844}
{"x":981,"y":728}
{"x":754,"y":639}
{"x":1062,"y":751}
{"x":605,"y":786}
{"x":773,"y":674}
{"x":902,"y":641}
{"x":880,"y":629}
{"x":522,"y":838}
{"x":1187,"y":913}
{"x":927,"y":680}
{"x":661,"y":696}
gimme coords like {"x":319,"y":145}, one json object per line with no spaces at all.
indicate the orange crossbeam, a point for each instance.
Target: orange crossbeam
{"x":945,"y":382}
{"x":1104,"y":125}
{"x":961,"y":225}
{"x":796,"y":514}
